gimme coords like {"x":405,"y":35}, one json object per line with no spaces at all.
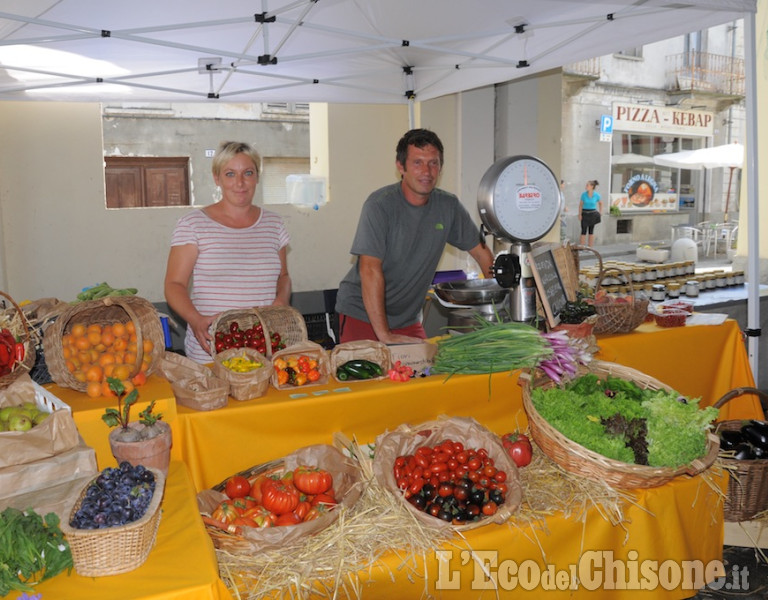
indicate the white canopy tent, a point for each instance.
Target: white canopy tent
{"x":371,"y":51}
{"x":347,"y":51}
{"x":728,"y":156}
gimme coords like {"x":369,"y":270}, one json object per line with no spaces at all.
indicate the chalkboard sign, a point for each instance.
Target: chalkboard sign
{"x":549,"y":283}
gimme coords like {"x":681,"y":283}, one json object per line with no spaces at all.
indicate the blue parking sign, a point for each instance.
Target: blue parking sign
{"x":606,"y":124}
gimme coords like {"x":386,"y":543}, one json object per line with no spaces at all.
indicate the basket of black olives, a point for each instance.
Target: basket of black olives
{"x":744,"y":453}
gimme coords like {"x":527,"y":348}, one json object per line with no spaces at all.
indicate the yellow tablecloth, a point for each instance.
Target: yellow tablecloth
{"x":181,"y":566}
{"x":700,"y":361}
{"x":679,"y":521}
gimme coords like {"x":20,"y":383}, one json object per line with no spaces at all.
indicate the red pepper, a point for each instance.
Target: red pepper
{"x":5,"y":354}
{"x":19,"y":351}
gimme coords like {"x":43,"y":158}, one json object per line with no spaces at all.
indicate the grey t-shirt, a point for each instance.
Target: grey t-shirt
{"x":409,"y":240}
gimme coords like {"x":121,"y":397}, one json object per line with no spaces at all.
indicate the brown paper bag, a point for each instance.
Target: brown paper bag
{"x":194,"y":385}
{"x":406,"y":439}
{"x":57,"y":434}
{"x":347,"y":486}
{"x":30,"y":485}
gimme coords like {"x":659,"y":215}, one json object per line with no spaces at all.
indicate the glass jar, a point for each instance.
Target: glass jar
{"x":658,"y":292}
{"x":692,"y":288}
{"x":673,"y":289}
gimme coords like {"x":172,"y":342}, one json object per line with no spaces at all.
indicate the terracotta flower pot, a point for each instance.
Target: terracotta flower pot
{"x":154,"y":452}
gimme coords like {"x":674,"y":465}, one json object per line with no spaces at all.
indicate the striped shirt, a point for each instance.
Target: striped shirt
{"x":235,"y":268}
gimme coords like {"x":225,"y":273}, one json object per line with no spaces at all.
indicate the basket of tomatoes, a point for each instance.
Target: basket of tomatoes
{"x":452,"y":472}
{"x":276,"y":503}
{"x":266,"y":329}
{"x":115,"y":336}
{"x":300,"y":365}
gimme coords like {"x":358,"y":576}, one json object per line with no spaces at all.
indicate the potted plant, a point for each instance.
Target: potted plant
{"x":146,"y":441}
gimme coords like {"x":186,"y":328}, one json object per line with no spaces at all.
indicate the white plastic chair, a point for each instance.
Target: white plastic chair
{"x":724,"y":234}
{"x":708,"y":230}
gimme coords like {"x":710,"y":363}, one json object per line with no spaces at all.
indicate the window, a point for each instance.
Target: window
{"x":274,"y":172}
{"x":636,"y":52}
{"x":143,"y":181}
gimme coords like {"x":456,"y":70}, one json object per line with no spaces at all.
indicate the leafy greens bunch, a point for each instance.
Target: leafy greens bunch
{"x":603,"y":415}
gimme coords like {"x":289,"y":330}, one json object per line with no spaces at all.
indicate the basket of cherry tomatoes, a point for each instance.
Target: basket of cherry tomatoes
{"x":450,"y":472}
{"x":275,"y":503}
{"x":266,"y":329}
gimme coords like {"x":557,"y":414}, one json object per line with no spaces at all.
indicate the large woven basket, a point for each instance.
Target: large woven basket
{"x":576,"y":458}
{"x":619,"y":317}
{"x":283,"y":320}
{"x":104,"y":311}
{"x":748,"y":484}
{"x":18,"y":326}
{"x":99,"y":552}
{"x":244,"y":386}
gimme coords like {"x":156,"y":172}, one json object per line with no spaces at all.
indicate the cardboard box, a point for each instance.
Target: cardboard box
{"x":417,"y":356}
{"x":654,"y":255}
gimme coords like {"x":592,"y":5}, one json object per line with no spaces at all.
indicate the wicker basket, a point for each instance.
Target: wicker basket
{"x":567,"y":261}
{"x":748,"y":485}
{"x":576,"y":458}
{"x":244,"y":386}
{"x":363,"y":350}
{"x":310,"y":349}
{"x":40,"y":314}
{"x":283,"y":320}
{"x":407,"y":438}
{"x":99,"y":552}
{"x":104,"y":311}
{"x":619,"y":317}
{"x":20,"y":328}
{"x":348,"y":485}
{"x":194,"y":385}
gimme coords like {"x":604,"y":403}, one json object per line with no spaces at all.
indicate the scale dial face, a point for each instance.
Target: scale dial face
{"x":519,"y":199}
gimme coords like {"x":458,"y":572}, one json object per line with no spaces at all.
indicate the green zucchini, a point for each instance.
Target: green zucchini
{"x":361,"y":369}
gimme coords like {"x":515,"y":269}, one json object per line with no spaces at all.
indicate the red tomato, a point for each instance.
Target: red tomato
{"x":312,"y":480}
{"x":302,"y":509}
{"x":237,"y":486}
{"x":323,"y":499}
{"x":225,"y":512}
{"x":518,"y":447}
{"x":317,"y":511}
{"x":279,"y":496}
{"x":243,"y":504}
{"x":290,"y":518}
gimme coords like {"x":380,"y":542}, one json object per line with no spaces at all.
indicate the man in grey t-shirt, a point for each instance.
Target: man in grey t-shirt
{"x":401,"y":235}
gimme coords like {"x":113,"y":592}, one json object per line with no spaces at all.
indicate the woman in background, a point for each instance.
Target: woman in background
{"x":590,"y":209}
{"x":232,"y":252}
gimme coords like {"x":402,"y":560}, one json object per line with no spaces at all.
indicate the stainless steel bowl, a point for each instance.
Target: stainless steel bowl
{"x":471,"y":292}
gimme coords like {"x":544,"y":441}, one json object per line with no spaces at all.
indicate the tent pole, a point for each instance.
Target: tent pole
{"x":753,"y":220}
{"x":728,"y":194}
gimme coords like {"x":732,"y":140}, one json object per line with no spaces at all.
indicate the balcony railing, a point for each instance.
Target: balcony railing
{"x":585,"y":68}
{"x":705,"y":72}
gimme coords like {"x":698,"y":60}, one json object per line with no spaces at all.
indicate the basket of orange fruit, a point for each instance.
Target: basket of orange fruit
{"x":120,"y":337}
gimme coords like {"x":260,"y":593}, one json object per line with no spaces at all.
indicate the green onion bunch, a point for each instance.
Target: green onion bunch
{"x":496,"y":347}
